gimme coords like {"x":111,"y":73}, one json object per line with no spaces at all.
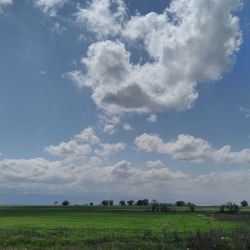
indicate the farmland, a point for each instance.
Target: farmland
{"x":83,"y":227}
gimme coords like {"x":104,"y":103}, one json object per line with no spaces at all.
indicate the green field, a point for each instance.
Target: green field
{"x":102,"y":228}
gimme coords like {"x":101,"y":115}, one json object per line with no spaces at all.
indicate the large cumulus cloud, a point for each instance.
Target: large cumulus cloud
{"x":192,"y":41}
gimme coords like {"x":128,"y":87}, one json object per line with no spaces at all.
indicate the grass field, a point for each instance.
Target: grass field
{"x":98,"y":227}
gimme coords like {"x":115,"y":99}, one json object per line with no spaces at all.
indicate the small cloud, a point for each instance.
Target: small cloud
{"x":127,"y":127}
{"x":69,"y":149}
{"x":245,"y":111}
{"x":107,"y":149}
{"x":88,"y":135}
{"x":58,"y":28}
{"x":49,"y":7}
{"x":155,"y":165}
{"x":109,"y":129}
{"x":152,"y":118}
{"x":110,"y":124}
{"x":42,"y":72}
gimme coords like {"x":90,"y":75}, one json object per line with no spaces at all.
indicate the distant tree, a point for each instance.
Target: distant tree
{"x":244,"y":203}
{"x":145,"y":202}
{"x":130,"y":202}
{"x":122,"y":203}
{"x":155,"y":206}
{"x":232,"y":207}
{"x":139,"y":203}
{"x":154,"y":201}
{"x":164,"y":207}
{"x":180,"y":203}
{"x":111,"y":202}
{"x":91,"y":204}
{"x":55,"y":203}
{"x":222,"y":209}
{"x":105,"y":202}
{"x":65,"y":203}
{"x":191,"y":206}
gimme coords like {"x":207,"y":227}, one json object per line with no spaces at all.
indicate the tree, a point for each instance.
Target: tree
{"x":65,"y":203}
{"x":130,"y":202}
{"x":235,"y":208}
{"x":111,"y":202}
{"x":91,"y":204}
{"x":244,"y":203}
{"x":155,"y":206}
{"x":145,"y":202}
{"x":222,"y":209}
{"x":55,"y":203}
{"x":105,"y":202}
{"x":164,"y":207}
{"x":180,"y":203}
{"x":191,"y":206}
{"x":122,"y":203}
{"x":232,"y":207}
{"x":139,"y":203}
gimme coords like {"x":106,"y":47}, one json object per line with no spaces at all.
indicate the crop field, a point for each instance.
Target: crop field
{"x":82,"y":227}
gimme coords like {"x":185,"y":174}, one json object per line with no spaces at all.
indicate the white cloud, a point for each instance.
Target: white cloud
{"x":155,"y":165}
{"x":84,"y":144}
{"x":123,"y":170}
{"x":42,"y":72}
{"x":245,"y":111}
{"x":187,"y":148}
{"x":107,"y":149}
{"x":88,"y":135}
{"x":110,"y":123}
{"x":76,"y":77}
{"x":69,"y":149}
{"x":5,"y":2}
{"x":94,"y":161}
{"x":191,"y":42}
{"x":25,"y":173}
{"x":226,"y":155}
{"x":127,"y":127}
{"x":57,"y":28}
{"x":150,"y":143}
{"x":126,"y":172}
{"x":109,"y":129}
{"x":98,"y":17}
{"x":152,"y":118}
{"x":49,"y":7}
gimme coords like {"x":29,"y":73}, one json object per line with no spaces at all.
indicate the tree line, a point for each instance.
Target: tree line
{"x":164,"y":207}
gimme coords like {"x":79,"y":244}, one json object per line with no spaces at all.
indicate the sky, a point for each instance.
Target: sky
{"x":124,"y":99}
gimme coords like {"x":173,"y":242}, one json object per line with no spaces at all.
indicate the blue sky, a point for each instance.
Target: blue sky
{"x":124,"y":100}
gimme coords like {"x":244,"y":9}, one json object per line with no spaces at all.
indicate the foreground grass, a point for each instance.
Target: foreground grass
{"x":102,"y":228}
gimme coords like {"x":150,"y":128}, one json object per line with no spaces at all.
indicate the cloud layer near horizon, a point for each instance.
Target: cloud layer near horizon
{"x":83,"y":166}
{"x":123,"y":179}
